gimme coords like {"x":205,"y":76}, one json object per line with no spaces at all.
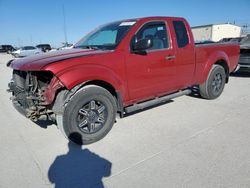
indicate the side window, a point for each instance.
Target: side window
{"x":181,"y":34}
{"x":156,"y":32}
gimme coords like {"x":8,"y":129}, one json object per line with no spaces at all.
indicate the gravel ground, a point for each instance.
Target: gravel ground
{"x":188,"y":142}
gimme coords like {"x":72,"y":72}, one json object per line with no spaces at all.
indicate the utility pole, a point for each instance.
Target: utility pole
{"x":64,"y":26}
{"x":19,"y":42}
{"x":31,"y":40}
{"x":245,"y":29}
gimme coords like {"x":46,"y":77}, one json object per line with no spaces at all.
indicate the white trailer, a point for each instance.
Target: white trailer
{"x":215,"y":32}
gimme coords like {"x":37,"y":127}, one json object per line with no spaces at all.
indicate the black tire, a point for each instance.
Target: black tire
{"x":89,"y":115}
{"x":214,"y":85}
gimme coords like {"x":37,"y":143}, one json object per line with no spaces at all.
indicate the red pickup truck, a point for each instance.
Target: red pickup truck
{"x":118,"y":68}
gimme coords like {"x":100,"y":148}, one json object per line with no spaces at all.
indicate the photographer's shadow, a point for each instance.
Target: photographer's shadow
{"x":79,"y":168}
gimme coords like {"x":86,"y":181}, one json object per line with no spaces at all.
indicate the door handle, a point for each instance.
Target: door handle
{"x":170,"y":57}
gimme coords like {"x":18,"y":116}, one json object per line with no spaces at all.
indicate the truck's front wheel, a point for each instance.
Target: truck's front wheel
{"x":89,"y":115}
{"x":214,"y":85}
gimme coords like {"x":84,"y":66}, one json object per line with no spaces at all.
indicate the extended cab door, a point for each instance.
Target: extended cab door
{"x":153,"y":73}
{"x":185,"y":53}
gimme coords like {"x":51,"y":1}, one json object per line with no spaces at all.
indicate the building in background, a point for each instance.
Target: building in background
{"x":215,"y":32}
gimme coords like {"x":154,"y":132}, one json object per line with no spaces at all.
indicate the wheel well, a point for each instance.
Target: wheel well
{"x":65,"y":95}
{"x":225,"y":66}
{"x":112,"y":90}
{"x":103,"y":84}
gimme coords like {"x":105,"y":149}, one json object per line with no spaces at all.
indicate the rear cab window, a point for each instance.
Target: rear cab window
{"x":181,"y":34}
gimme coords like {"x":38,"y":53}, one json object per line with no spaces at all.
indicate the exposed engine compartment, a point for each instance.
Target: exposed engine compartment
{"x":29,"y":93}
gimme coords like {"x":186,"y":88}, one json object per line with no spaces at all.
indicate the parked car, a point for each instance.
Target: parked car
{"x":44,"y":47}
{"x":225,"y":39}
{"x":121,"y":67}
{"x":244,"y":61}
{"x":26,"y":51}
{"x":7,"y":48}
{"x":66,"y":46}
{"x":236,"y":40}
{"x":232,"y":40}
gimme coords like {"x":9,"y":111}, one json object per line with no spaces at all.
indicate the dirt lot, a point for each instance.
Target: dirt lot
{"x":188,"y":142}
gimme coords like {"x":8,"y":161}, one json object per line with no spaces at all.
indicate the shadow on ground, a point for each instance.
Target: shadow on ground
{"x":45,"y":123}
{"x":195,"y":92}
{"x":148,"y":108}
{"x":241,"y":73}
{"x":79,"y":168}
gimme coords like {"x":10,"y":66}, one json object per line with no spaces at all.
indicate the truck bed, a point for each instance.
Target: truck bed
{"x":205,"y":53}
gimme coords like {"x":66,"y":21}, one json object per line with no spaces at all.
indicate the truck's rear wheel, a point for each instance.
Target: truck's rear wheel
{"x":89,"y":115}
{"x":214,"y":85}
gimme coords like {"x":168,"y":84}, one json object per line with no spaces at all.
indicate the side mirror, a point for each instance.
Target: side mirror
{"x":141,"y":45}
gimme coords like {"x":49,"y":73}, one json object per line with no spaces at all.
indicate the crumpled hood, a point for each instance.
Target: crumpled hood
{"x":37,"y":62}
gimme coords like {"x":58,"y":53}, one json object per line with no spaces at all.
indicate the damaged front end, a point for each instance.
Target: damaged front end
{"x":33,"y":93}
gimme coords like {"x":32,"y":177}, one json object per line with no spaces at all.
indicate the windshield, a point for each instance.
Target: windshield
{"x":106,"y":37}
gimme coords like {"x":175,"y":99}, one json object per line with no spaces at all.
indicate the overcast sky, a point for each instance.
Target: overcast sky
{"x":29,"y":22}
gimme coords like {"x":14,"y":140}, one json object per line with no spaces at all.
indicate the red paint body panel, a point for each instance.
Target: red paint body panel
{"x":37,"y":62}
{"x":207,"y":55}
{"x":136,"y":77}
{"x":50,"y":91}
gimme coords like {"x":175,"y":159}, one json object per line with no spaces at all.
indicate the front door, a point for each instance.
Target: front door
{"x":153,"y":73}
